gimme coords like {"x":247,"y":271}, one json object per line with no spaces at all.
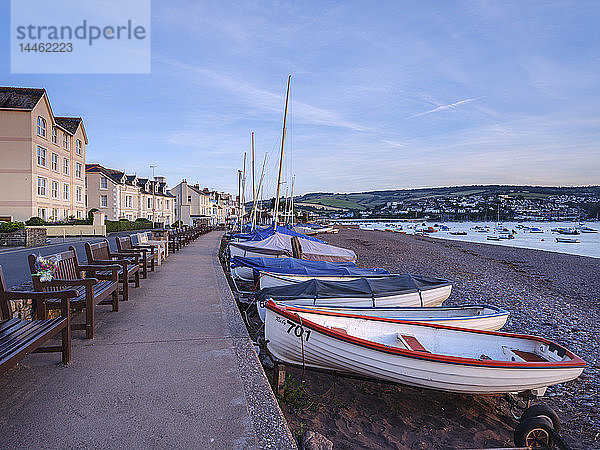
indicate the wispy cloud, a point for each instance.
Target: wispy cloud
{"x":262,"y":98}
{"x":445,"y":107}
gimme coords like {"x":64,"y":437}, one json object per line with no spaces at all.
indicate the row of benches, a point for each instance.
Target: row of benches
{"x":79,"y":286}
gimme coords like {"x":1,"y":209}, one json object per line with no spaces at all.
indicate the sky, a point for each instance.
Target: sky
{"x":384,"y":95}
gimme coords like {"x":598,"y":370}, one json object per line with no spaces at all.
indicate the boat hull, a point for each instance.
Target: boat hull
{"x":299,"y":342}
{"x":429,"y":297}
{"x":270,"y":279}
{"x":472,"y":317}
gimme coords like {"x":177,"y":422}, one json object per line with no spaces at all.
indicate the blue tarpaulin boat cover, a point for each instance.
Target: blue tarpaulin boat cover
{"x":359,"y":288}
{"x":263,"y":233}
{"x":279,"y":244}
{"x":294,"y":266}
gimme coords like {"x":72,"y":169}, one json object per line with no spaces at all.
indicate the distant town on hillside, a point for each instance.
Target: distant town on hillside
{"x":485,"y":202}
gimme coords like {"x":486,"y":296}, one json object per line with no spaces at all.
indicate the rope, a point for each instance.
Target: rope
{"x":302,"y":345}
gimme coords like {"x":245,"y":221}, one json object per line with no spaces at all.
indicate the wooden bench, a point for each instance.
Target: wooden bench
{"x":146,"y":255}
{"x":175,"y":242}
{"x":19,"y":337}
{"x":99,"y":253}
{"x":161,"y":247}
{"x":103,"y":289}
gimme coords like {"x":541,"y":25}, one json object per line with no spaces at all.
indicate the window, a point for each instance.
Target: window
{"x":54,"y":214}
{"x":65,"y":140}
{"x":41,"y":126}
{"x":79,"y":194}
{"x":65,"y":192}
{"x":42,"y":186}
{"x":78,"y":146}
{"x":149,"y":217}
{"x":55,"y":162}
{"x":128,"y":201}
{"x":149,"y":203}
{"x":189,"y":199}
{"x":159,"y":204}
{"x":103,"y":201}
{"x":55,"y":191}
{"x":79,"y":214}
{"x":54,"y":135}
{"x":42,"y":213}
{"x":65,"y":166}
{"x":167,"y":204}
{"x":78,"y":170}
{"x":66,"y":213}
{"x":41,"y":156}
{"x":103,"y":183}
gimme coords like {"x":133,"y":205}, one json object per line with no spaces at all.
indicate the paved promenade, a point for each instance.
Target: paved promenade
{"x":174,"y":368}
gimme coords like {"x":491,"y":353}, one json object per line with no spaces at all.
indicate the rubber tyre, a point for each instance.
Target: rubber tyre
{"x":534,"y":432}
{"x":544,"y":411}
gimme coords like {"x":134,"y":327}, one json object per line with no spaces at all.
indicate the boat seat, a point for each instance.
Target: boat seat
{"x":523,"y":355}
{"x":339,"y":330}
{"x":412,"y":343}
{"x":529,"y":356}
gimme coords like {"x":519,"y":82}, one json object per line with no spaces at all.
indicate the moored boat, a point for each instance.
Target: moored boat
{"x":475,"y":317}
{"x":428,"y":356}
{"x":568,"y":240}
{"x":389,"y":291}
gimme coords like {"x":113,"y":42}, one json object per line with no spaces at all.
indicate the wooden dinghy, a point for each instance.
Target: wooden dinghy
{"x":475,"y":317}
{"x":428,"y":356}
{"x":389,"y":291}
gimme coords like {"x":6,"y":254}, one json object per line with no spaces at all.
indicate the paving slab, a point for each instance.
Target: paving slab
{"x":175,"y":368}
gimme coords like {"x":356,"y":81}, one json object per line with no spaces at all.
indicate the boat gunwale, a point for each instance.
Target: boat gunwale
{"x":309,"y":309}
{"x":575,"y":362}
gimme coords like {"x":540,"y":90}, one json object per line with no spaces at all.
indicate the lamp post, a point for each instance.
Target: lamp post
{"x":153,"y":184}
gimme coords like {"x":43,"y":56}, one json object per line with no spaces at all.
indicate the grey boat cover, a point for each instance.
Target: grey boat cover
{"x":279,"y":244}
{"x":359,"y":288}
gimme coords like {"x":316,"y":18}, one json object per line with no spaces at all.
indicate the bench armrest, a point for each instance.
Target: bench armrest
{"x":57,"y":282}
{"x":18,"y":295}
{"x":125,"y":255}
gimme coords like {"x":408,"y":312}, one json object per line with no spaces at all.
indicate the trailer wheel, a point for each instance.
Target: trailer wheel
{"x":544,"y":411}
{"x":534,"y":432}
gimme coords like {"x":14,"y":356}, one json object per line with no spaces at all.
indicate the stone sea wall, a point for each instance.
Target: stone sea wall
{"x":27,"y":237}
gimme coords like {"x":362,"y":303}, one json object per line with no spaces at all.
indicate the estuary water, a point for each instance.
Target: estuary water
{"x":589,"y":244}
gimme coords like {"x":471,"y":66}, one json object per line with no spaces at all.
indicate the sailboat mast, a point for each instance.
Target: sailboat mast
{"x":258,"y":192}
{"x":253,"y":188}
{"x":244,"y":186}
{"x":276,"y":211}
{"x":292,"y":202}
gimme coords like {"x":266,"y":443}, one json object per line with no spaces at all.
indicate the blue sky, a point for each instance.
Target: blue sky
{"x":385,"y":94}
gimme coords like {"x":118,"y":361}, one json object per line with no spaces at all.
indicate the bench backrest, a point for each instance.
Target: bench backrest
{"x":66,"y":269}
{"x":5,"y":309}
{"x":97,"y":251}
{"x":124,"y":243}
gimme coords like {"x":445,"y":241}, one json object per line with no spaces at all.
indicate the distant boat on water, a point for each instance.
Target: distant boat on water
{"x":535,"y":230}
{"x":586,"y":229}
{"x":568,"y":240}
{"x":570,"y":231}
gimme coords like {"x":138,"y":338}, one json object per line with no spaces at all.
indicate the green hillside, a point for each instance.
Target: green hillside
{"x":359,"y":201}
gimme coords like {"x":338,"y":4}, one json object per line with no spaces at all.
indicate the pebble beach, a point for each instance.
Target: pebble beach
{"x":548,"y":294}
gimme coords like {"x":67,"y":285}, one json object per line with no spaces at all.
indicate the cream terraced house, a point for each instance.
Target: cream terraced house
{"x":122,"y":196}
{"x":42,"y":158}
{"x":193,"y":204}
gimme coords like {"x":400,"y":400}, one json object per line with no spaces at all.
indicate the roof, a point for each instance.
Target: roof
{"x":117,"y":177}
{"x":20,"y":98}
{"x":114,"y":175}
{"x":68,"y":123}
{"x":26,"y":99}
